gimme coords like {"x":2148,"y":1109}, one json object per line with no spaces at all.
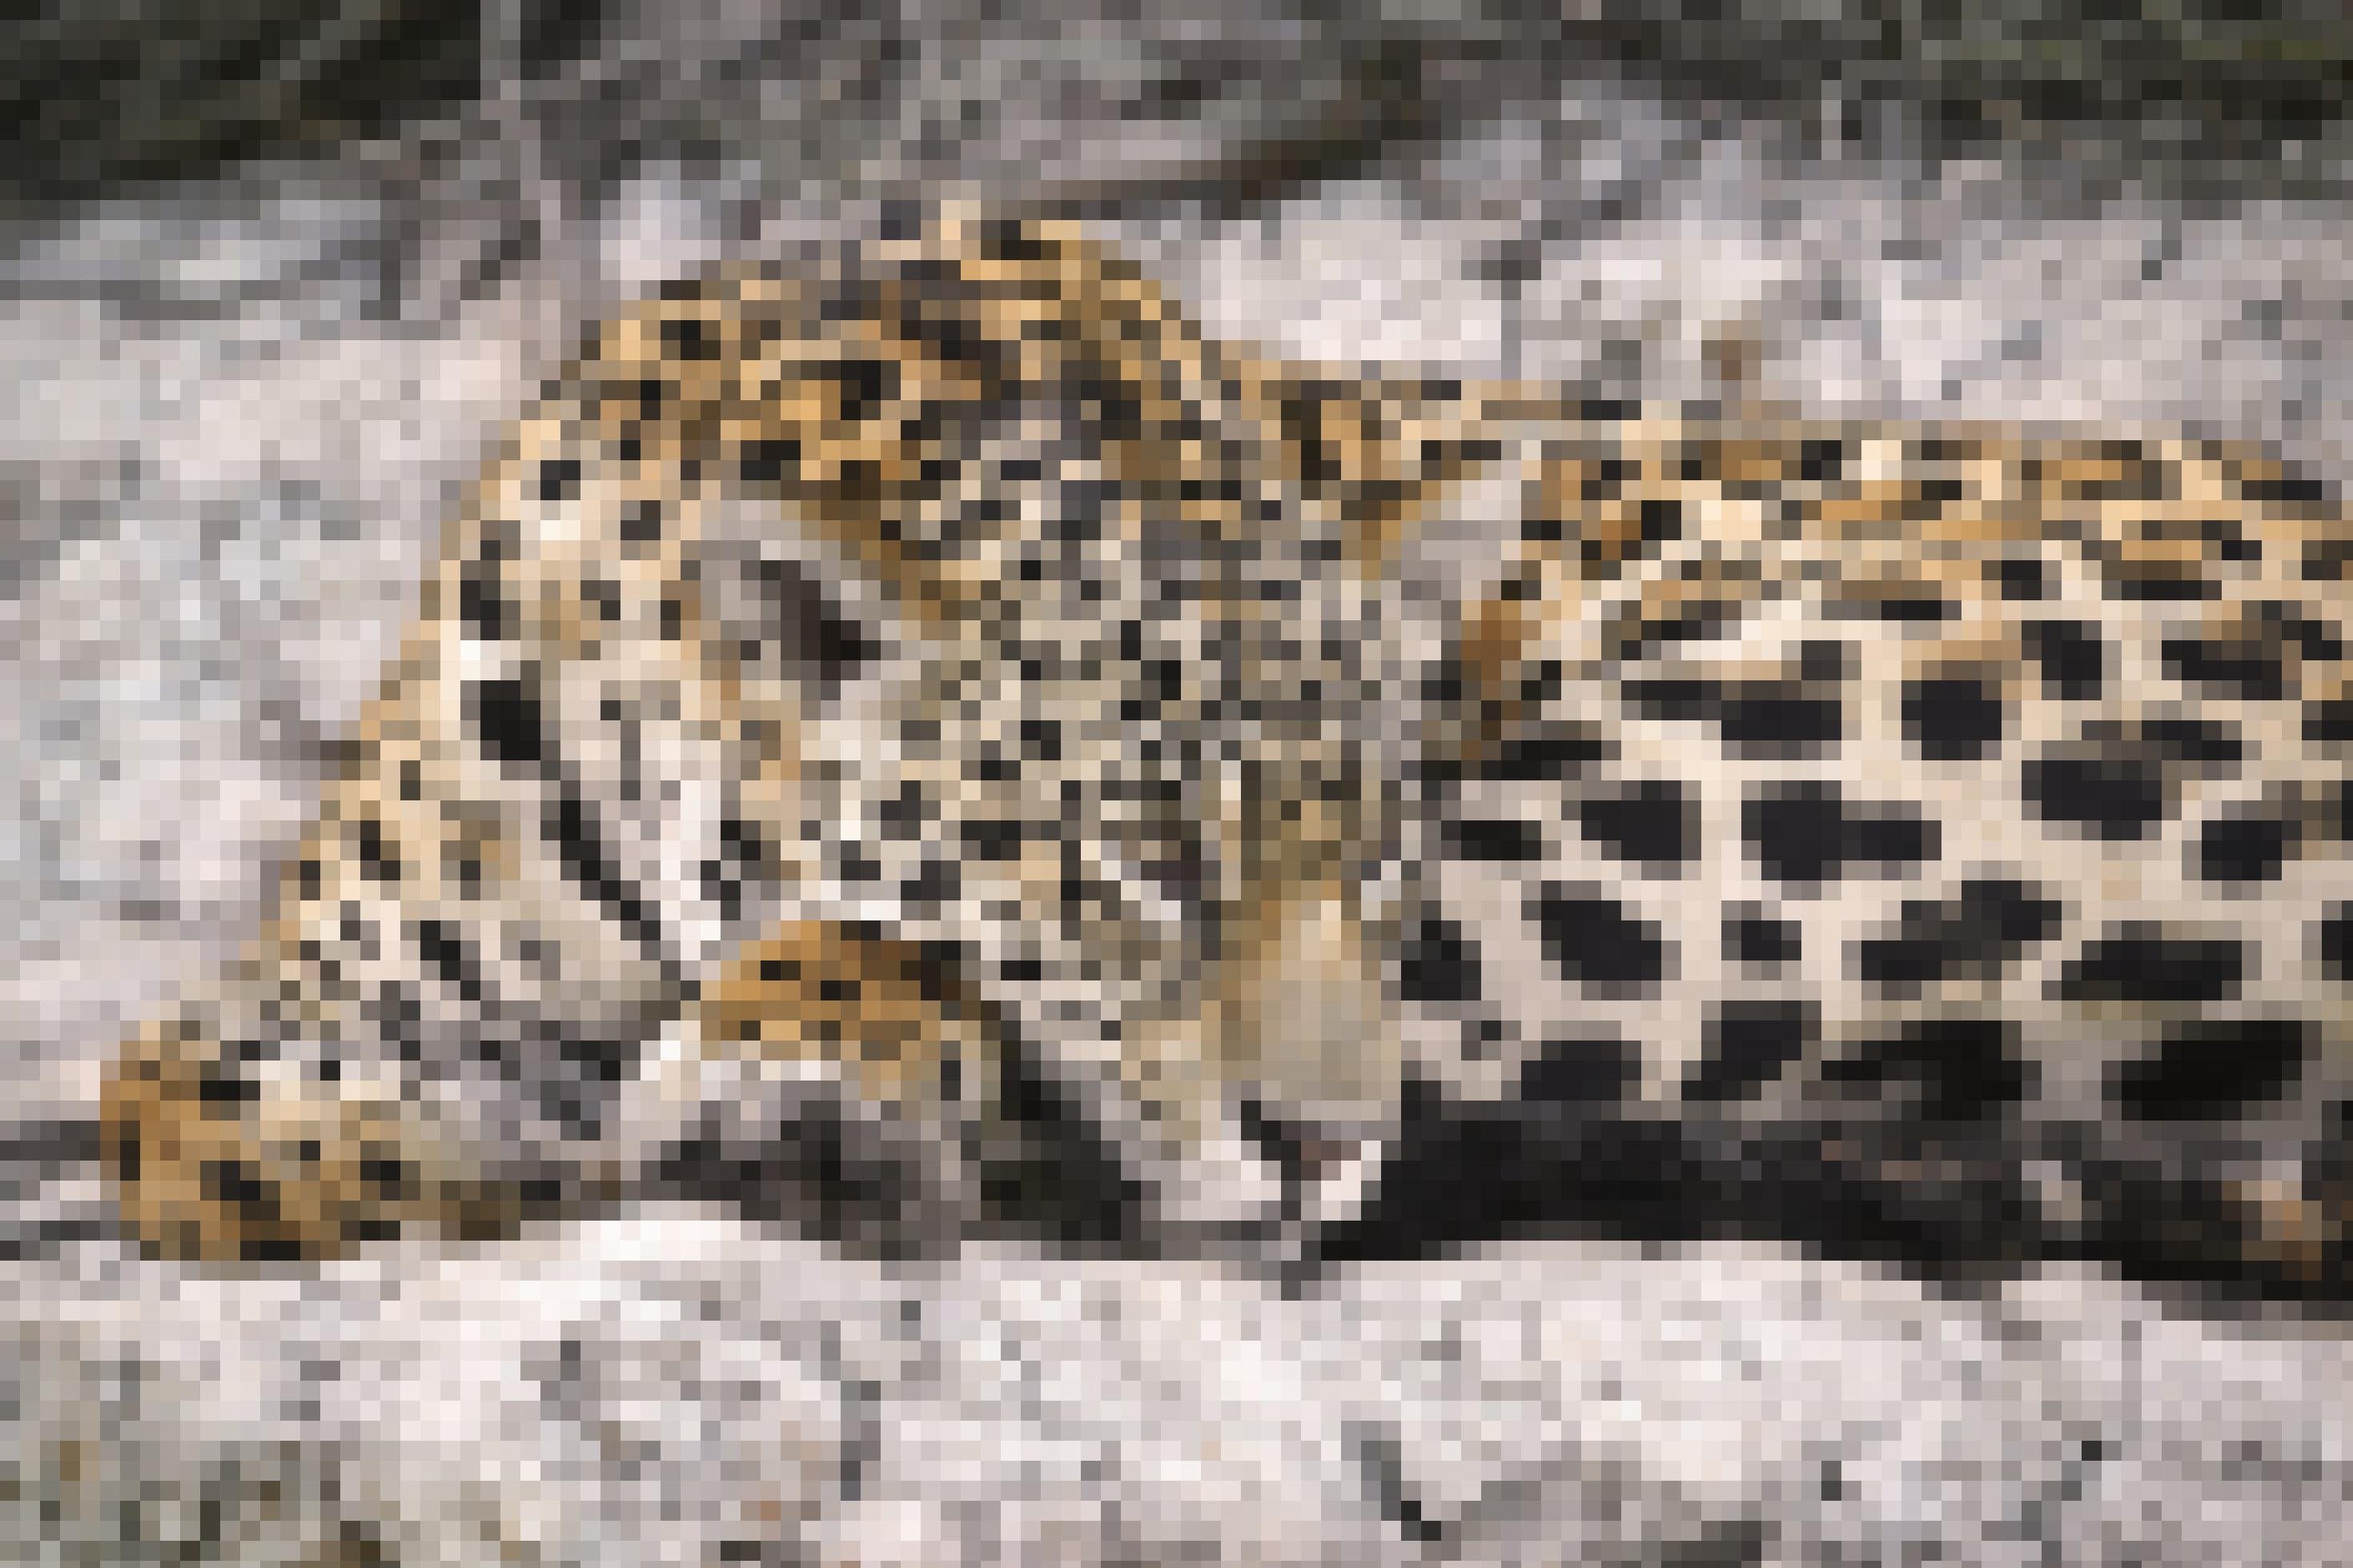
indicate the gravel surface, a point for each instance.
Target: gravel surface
{"x":653,"y":1388}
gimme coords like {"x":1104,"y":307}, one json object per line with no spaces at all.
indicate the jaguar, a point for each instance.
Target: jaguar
{"x":915,"y":736}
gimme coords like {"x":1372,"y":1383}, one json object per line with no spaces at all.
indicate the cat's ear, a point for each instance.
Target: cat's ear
{"x":788,"y":604}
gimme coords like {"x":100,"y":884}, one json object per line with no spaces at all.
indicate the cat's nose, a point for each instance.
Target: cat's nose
{"x":1303,"y":1157}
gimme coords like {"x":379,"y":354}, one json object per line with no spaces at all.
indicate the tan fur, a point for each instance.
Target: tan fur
{"x":676,"y":396}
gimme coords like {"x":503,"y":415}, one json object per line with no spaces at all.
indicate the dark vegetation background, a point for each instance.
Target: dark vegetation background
{"x":105,"y":97}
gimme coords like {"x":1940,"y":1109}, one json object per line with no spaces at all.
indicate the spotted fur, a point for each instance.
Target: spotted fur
{"x":930,"y":682}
